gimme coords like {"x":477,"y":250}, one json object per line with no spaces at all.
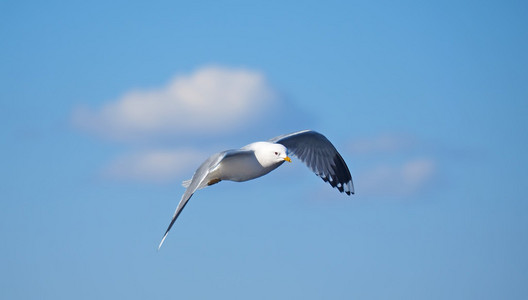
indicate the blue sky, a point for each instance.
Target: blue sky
{"x":106,"y":107}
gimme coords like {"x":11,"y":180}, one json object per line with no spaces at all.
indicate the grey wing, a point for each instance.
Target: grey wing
{"x":196,"y":183}
{"x":318,"y":153}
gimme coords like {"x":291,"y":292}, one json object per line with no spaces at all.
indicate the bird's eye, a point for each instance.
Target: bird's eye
{"x":276,"y":153}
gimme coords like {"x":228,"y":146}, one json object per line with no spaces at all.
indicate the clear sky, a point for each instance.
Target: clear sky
{"x":106,"y":106}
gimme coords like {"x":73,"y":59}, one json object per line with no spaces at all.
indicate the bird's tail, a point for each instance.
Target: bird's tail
{"x":186,"y":183}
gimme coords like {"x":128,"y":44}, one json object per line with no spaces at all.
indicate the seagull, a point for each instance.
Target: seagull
{"x":260,"y":158}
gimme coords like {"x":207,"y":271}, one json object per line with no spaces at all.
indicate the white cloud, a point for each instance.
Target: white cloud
{"x":211,"y":100}
{"x":155,"y":165}
{"x":404,"y":179}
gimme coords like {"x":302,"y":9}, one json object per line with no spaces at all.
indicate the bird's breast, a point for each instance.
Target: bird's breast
{"x":243,"y":168}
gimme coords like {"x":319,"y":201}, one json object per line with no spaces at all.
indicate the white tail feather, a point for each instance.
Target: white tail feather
{"x":186,"y":183}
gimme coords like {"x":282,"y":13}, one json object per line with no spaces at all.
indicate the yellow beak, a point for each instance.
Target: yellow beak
{"x":287,"y":159}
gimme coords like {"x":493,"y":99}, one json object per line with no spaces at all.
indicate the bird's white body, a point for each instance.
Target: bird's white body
{"x":249,"y":162}
{"x":262,"y":158}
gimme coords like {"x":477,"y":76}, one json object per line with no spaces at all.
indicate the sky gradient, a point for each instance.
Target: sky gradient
{"x":106,"y":107}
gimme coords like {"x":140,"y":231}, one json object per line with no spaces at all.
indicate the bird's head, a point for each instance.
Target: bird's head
{"x":280,"y":152}
{"x":269,"y":154}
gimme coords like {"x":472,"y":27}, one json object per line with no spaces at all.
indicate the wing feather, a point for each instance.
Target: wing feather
{"x":196,"y":183}
{"x":318,"y":153}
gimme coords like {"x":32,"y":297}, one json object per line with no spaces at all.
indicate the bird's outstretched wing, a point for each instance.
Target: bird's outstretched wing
{"x":196,"y":183}
{"x":318,"y":153}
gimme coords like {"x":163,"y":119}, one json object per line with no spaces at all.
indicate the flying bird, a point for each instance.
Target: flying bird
{"x":260,"y":158}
